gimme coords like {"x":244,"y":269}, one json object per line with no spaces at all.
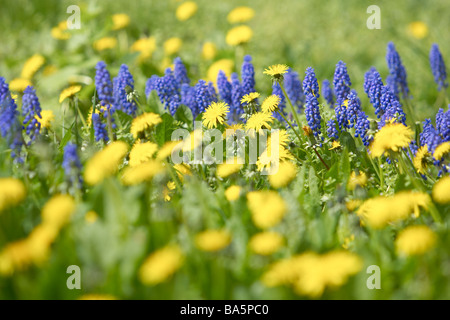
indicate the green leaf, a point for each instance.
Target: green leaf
{"x":66,"y":138}
{"x":164,"y":129}
{"x":184,"y":114}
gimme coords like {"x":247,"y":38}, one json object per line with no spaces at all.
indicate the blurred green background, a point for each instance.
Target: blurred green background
{"x":297,"y":33}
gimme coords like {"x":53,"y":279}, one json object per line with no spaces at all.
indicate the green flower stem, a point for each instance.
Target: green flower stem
{"x":173,"y":175}
{"x":381,"y":174}
{"x":292,"y":127}
{"x":290,"y":104}
{"x":79,"y":112}
{"x":110,"y":132}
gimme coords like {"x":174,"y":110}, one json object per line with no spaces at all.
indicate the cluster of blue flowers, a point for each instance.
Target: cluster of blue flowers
{"x":31,"y":110}
{"x":10,"y":126}
{"x":396,"y":80}
{"x":438,"y":67}
{"x":123,"y":81}
{"x":72,"y":165}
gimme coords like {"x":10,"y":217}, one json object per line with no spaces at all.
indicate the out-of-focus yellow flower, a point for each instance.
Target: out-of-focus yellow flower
{"x":285,"y":174}
{"x":167,"y":149}
{"x":186,"y":10}
{"x":58,"y":210}
{"x":146,"y":46}
{"x":19,"y":84}
{"x":212,"y":240}
{"x":347,"y":241}
{"x":142,"y":152}
{"x":105,"y":43}
{"x":392,"y":137}
{"x":59,"y":32}
{"x":266,"y":243}
{"x":229,"y":167}
{"x":31,"y":66}
{"x":105,"y":162}
{"x":232,"y":193}
{"x":267,"y":207}
{"x":141,"y":172}
{"x":69,"y":92}
{"x":194,"y":140}
{"x":226,"y":65}
{"x":310,"y":273}
{"x":49,"y":70}
{"x":160,"y":265}
{"x":209,"y":51}
{"x":357,"y":180}
{"x":120,"y":21}
{"x":441,"y":190}
{"x":91,"y":216}
{"x":441,"y":150}
{"x":382,"y":210}
{"x":172,"y":45}
{"x":239,"y":35}
{"x":47,"y":117}
{"x":182,"y":170}
{"x":240,"y":14}
{"x":415,"y":240}
{"x":143,"y":122}
{"x":353,"y":204}
{"x":418,"y":29}
{"x":12,"y":192}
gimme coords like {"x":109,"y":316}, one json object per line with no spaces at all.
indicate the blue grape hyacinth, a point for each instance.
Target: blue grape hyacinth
{"x":294,"y":89}
{"x":310,"y":84}
{"x":72,"y":165}
{"x":397,"y":73}
{"x":103,"y":85}
{"x":248,"y":76}
{"x":438,"y":67}
{"x":31,"y":111}
{"x":123,"y":80}
{"x":327,"y":92}
{"x":312,"y":113}
{"x":341,"y":82}
{"x":224,"y":87}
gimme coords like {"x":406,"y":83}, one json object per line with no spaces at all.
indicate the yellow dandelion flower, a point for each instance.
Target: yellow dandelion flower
{"x":97,"y":296}
{"x":160,"y":265}
{"x":240,"y":14}
{"x":357,"y":180}
{"x":259,"y":121}
{"x":143,"y":122}
{"x":15,"y":256}
{"x":171,"y":185}
{"x":120,"y":21}
{"x":69,"y":92}
{"x":391,"y":137}
{"x":142,"y":152}
{"x":47,"y":117}
{"x":105,"y":43}
{"x":267,"y":207}
{"x":146,"y":47}
{"x":232,"y":193}
{"x":415,"y":240}
{"x":310,"y":273}
{"x":276,"y":71}
{"x":266,"y":243}
{"x":209,"y":51}
{"x":91,"y":216}
{"x":19,"y":84}
{"x":141,"y":172}
{"x":270,"y":160}
{"x":212,"y":240}
{"x":12,"y":192}
{"x":353,"y":204}
{"x":441,"y":191}
{"x":59,"y":32}
{"x":418,"y":29}
{"x":167,"y":149}
{"x":270,"y":103}
{"x":285,"y":174}
{"x":239,"y":35}
{"x":248,"y":98}
{"x":420,"y":160}
{"x":441,"y":150}
{"x":172,"y":45}
{"x":182,"y":170}
{"x":334,"y":145}
{"x":31,"y":66}
{"x":186,"y":10}
{"x":39,"y":242}
{"x":215,"y":114}
{"x":307,"y":131}
{"x":105,"y":162}
{"x":49,"y":70}
{"x":348,"y":241}
{"x":382,"y":210}
{"x":226,"y":65}
{"x":229,"y":167}
{"x":58,"y":210}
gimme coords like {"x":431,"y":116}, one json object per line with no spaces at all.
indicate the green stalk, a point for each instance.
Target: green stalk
{"x":79,"y":112}
{"x":290,"y":104}
{"x":292,"y":127}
